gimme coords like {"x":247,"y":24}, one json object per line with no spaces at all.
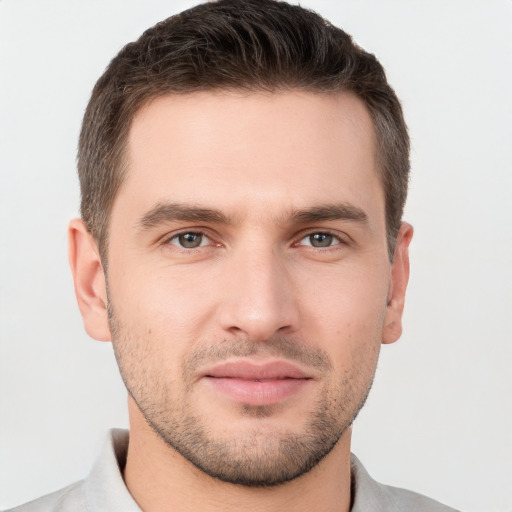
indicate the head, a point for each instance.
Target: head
{"x":243,"y":169}
{"x":243,"y":45}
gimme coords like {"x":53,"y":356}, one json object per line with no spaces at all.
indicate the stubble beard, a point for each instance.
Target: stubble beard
{"x":256,"y":458}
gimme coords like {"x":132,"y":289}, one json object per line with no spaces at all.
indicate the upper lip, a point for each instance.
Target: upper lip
{"x":253,"y":370}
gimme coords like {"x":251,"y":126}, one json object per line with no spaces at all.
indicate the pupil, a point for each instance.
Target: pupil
{"x":190,"y":240}
{"x":321,"y":240}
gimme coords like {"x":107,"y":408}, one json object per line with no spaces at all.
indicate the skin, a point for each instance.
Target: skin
{"x":256,"y":289}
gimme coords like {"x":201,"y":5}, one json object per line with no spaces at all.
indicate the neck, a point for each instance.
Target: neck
{"x":160,"y":479}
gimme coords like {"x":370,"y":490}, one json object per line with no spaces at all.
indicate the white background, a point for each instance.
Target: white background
{"x":439,"y":419}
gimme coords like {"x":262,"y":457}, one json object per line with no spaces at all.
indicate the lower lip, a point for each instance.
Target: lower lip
{"x":252,"y":392}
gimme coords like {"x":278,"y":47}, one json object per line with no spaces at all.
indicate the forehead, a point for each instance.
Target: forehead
{"x":275,"y":150}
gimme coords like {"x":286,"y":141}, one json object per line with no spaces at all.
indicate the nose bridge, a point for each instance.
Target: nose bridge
{"x":258,"y":298}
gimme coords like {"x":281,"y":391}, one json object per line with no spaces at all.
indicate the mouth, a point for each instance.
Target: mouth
{"x":257,"y":383}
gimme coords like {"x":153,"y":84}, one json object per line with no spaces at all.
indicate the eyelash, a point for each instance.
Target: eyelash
{"x":336,"y":238}
{"x":176,"y":236}
{"x":339,"y":240}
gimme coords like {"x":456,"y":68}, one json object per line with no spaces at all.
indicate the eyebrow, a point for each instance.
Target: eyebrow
{"x":338,"y":211}
{"x":169,"y":212}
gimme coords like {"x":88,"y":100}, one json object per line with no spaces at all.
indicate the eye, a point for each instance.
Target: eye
{"x":190,"y":240}
{"x":320,"y":240}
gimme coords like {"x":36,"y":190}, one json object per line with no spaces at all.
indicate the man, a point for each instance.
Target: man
{"x":243,"y":169}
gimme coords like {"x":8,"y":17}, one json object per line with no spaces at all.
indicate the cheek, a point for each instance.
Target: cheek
{"x":164,"y":301}
{"x":160,"y":321}
{"x":346,"y":316}
{"x":349,"y":300}
{"x":147,"y":351}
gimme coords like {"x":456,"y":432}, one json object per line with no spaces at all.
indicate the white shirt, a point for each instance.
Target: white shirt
{"x":104,"y":490}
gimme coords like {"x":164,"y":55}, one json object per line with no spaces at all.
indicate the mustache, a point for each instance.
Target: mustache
{"x":279,"y":347}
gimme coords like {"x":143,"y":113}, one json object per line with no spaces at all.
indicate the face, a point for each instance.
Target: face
{"x":249,"y":284}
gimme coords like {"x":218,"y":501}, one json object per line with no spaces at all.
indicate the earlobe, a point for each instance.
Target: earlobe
{"x":89,"y":280}
{"x":398,"y":285}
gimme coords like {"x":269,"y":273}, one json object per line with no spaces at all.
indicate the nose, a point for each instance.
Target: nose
{"x":259,"y":298}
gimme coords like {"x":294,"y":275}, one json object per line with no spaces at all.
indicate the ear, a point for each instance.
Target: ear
{"x":89,"y":279}
{"x":398,"y":285}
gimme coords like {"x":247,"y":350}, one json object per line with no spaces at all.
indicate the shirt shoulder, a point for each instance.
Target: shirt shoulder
{"x":405,"y":500}
{"x":371,"y":496}
{"x":103,"y":490}
{"x":68,"y":499}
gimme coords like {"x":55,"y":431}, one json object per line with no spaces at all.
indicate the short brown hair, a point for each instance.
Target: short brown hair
{"x":252,"y":45}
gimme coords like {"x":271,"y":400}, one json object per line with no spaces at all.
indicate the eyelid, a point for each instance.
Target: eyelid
{"x":206,"y":233}
{"x":205,"y":240}
{"x":341,"y":238}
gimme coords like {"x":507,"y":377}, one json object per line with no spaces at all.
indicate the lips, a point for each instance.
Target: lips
{"x":255,"y":383}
